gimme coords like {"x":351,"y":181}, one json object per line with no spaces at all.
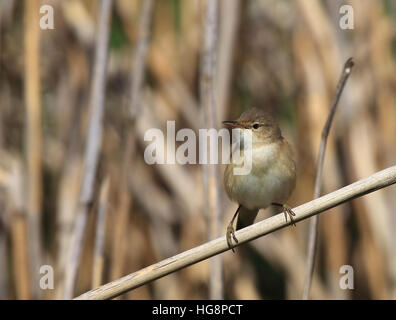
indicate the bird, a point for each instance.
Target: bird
{"x":272,"y":177}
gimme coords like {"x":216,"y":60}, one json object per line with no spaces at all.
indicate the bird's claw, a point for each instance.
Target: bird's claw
{"x":231,"y":235}
{"x":288,"y":211}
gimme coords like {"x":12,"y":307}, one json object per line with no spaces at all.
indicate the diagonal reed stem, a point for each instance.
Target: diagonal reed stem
{"x":158,"y":270}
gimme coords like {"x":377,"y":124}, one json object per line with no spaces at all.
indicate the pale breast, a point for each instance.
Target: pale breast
{"x":272,"y":178}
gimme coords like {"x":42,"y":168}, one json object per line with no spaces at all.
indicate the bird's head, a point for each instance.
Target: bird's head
{"x":262,"y":124}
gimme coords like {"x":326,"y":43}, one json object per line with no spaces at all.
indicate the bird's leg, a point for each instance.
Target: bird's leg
{"x":231,"y":231}
{"x":287,"y":211}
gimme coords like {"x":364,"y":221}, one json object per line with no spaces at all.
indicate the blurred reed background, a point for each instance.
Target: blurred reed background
{"x":281,"y":55}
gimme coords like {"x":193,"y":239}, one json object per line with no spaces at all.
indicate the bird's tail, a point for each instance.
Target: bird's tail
{"x":246,"y":217}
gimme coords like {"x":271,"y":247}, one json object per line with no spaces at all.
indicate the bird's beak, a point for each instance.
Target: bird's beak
{"x":233,"y":124}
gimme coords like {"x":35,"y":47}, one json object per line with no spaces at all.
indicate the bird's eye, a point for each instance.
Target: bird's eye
{"x":256,"y":126}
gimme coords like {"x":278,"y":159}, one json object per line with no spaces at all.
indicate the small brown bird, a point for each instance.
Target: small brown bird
{"x":272,"y":177}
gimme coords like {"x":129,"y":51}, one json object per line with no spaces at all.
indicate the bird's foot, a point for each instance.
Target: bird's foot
{"x":287,"y":212}
{"x":231,"y":231}
{"x":231,"y":235}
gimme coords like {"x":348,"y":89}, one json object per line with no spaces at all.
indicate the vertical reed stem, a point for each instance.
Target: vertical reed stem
{"x":33,"y":140}
{"x":313,"y":227}
{"x":211,"y":174}
{"x":94,"y":140}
